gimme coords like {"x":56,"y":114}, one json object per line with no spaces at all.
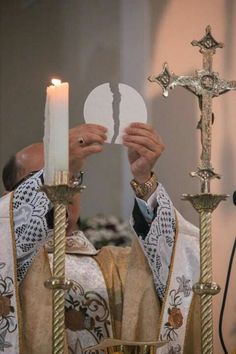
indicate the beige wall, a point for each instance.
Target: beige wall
{"x":95,"y":41}
{"x":181,"y":22}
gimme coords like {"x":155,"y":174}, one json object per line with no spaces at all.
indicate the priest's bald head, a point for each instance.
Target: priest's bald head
{"x":21,"y":165}
{"x":24,"y":164}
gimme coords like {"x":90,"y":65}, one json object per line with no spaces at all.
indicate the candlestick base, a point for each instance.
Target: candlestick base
{"x":61,"y":194}
{"x":206,"y":202}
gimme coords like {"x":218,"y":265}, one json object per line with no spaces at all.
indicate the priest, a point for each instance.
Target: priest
{"x":142,"y":293}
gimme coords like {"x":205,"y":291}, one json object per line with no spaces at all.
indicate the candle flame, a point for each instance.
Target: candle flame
{"x":56,"y":82}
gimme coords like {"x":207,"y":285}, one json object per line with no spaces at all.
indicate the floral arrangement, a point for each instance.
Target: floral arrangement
{"x":106,"y":230}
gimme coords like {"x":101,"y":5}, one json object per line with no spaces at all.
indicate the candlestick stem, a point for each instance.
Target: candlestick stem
{"x":60,"y":194}
{"x":59,"y":273}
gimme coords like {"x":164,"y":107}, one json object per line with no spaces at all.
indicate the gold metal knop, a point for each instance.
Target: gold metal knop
{"x":58,"y":283}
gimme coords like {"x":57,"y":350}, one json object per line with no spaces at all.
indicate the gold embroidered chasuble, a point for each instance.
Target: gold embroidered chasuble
{"x":134,"y":308}
{"x":137,"y":311}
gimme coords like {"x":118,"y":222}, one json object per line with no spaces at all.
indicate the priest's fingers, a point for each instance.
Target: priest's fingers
{"x":148,"y":154}
{"x":143,"y":126}
{"x":84,"y":136}
{"x":148,"y":143}
{"x":141,"y":129}
{"x":91,"y":138}
{"x":89,"y":150}
{"x":145,"y":131}
{"x":87,"y":128}
{"x":144,"y":148}
{"x":78,"y":157}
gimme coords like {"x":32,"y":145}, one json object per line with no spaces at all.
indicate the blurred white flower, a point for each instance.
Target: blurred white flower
{"x":107,"y":230}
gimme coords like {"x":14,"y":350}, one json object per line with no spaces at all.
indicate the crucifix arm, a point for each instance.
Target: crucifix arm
{"x":228,"y":86}
{"x":188,"y":82}
{"x":168,"y":80}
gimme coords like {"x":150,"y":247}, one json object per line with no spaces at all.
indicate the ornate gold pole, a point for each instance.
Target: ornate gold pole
{"x":206,"y":85}
{"x":60,"y":194}
{"x":205,"y":204}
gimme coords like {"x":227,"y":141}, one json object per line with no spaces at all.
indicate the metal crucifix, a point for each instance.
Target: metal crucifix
{"x":206,"y":85}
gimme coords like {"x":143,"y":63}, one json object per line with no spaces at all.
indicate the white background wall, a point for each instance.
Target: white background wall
{"x":95,"y":41}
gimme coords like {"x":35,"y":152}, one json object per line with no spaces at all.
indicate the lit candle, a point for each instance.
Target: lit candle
{"x":56,"y":144}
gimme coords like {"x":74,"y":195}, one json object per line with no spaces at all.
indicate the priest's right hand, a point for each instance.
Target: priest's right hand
{"x":84,"y":140}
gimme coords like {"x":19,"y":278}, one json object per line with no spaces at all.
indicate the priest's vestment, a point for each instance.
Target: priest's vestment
{"x":138,"y":293}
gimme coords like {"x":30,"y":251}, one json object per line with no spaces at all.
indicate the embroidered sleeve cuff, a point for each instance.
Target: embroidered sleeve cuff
{"x":30,"y":213}
{"x":147,"y":207}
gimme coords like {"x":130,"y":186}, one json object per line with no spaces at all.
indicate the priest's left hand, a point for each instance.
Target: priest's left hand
{"x":144,"y":148}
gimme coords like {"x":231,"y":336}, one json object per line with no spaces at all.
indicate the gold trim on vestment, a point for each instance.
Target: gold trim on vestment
{"x":189,"y":318}
{"x":114,"y":264}
{"x":110,"y":297}
{"x":18,"y":307}
{"x":47,"y":257}
{"x":169,"y":276}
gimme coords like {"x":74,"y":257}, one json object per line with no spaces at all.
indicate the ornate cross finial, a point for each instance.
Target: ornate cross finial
{"x":164,"y":79}
{"x":205,"y":84}
{"x":207,"y":42}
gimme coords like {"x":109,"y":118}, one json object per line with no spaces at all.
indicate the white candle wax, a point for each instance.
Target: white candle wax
{"x":56,"y":143}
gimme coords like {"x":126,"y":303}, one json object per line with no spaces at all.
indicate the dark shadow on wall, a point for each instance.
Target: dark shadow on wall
{"x":93,"y":59}
{"x":229,"y":177}
{"x":31,"y":53}
{"x":93,"y":55}
{"x":109,"y":163}
{"x":176,"y":120}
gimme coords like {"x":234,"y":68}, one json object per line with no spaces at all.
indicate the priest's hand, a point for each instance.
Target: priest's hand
{"x":84,"y":140}
{"x":144,"y":148}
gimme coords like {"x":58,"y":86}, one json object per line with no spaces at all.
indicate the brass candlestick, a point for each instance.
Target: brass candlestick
{"x":206,"y":85}
{"x":60,"y":194}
